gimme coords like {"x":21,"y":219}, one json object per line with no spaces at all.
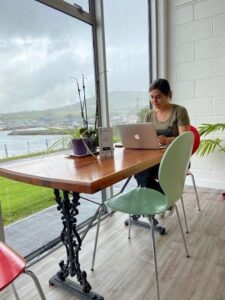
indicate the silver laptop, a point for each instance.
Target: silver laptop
{"x":139,"y":136}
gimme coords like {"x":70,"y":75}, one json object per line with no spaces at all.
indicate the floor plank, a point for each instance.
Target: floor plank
{"x":125,"y":269}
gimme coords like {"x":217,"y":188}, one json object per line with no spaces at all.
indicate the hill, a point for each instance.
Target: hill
{"x":121,"y":103}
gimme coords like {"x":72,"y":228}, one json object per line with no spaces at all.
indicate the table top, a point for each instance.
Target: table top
{"x":84,"y":174}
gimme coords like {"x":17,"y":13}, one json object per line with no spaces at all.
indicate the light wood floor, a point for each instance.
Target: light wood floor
{"x":125,"y":269}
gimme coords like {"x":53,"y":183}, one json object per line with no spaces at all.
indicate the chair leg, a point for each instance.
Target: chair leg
{"x":129,"y":227}
{"x":96,"y":239}
{"x":37,"y":283}
{"x":15,"y":291}
{"x":185,"y":219}
{"x":154,"y":254}
{"x":182,"y":233}
{"x":196,"y":193}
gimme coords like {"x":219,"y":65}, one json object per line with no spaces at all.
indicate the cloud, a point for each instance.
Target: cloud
{"x":41,"y":48}
{"x":36,"y":66}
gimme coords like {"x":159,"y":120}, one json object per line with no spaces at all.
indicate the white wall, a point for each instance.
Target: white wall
{"x":196,"y":71}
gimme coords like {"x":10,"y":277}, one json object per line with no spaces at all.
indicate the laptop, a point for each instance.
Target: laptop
{"x":139,"y":136}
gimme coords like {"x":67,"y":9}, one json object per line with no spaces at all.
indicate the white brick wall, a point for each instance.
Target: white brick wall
{"x":219,"y":66}
{"x":219,"y":106}
{"x":182,"y":53}
{"x":194,"y":31}
{"x":196,"y":71}
{"x":179,"y":2}
{"x":198,"y":107}
{"x":208,"y":8}
{"x":183,"y":15}
{"x":219,"y":25}
{"x":210,"y":47}
{"x":183,"y":88}
{"x":210,"y":87}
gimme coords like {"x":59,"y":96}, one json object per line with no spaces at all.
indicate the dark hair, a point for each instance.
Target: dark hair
{"x":162,"y":85}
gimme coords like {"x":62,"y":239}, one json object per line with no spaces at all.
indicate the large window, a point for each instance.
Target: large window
{"x":42,"y":53}
{"x":127,"y":50}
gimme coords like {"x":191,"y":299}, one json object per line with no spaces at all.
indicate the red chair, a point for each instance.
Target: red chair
{"x":196,"y":139}
{"x":11,"y":266}
{"x":195,"y":148}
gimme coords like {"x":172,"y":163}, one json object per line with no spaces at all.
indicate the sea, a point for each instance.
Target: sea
{"x":13,"y":145}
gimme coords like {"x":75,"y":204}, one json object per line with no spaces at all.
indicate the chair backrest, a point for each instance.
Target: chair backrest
{"x":11,"y":265}
{"x":174,"y":165}
{"x":196,"y":139}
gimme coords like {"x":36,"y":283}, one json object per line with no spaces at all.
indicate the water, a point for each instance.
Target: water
{"x":24,"y":144}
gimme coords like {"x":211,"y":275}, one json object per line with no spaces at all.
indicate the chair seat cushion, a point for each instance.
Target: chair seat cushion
{"x":11,"y":265}
{"x":139,"y":201}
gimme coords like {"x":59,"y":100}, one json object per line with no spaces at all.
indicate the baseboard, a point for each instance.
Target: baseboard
{"x":207,"y":183}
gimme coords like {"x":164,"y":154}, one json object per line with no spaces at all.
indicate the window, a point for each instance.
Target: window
{"x":127,"y":51}
{"x":42,"y":52}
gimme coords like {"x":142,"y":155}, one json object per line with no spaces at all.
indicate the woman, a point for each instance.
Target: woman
{"x":169,"y":119}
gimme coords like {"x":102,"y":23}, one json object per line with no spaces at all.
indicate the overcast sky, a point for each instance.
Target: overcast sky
{"x":41,"y":48}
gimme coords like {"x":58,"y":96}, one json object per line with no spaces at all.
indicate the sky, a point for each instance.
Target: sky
{"x":41,"y":49}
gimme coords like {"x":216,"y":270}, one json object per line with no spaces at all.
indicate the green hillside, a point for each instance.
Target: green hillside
{"x":120,"y":103}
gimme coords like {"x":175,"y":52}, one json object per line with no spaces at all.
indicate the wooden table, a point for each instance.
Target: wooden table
{"x":69,"y":177}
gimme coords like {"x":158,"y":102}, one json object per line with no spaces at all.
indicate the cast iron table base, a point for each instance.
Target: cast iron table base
{"x":72,"y":241}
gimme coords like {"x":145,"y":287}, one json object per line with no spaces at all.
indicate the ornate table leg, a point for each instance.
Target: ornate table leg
{"x":72,"y":242}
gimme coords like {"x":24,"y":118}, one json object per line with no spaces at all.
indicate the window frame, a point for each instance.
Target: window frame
{"x":70,"y":10}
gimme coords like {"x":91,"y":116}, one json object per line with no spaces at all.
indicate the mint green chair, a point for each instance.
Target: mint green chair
{"x":149,"y":202}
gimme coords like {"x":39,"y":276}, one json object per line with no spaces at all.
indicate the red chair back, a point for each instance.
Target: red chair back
{"x":11,"y":265}
{"x":196,"y":139}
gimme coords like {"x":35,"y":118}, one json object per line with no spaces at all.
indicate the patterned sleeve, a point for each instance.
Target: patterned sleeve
{"x":182,"y":117}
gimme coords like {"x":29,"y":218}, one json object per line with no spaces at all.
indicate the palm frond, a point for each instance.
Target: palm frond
{"x":206,"y":129}
{"x":208,"y":145}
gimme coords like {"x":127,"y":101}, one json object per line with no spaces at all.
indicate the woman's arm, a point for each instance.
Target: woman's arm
{"x":163,"y":140}
{"x":183,"y":129}
{"x":183,"y":124}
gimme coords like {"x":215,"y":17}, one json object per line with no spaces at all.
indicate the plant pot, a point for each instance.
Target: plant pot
{"x":83,"y":146}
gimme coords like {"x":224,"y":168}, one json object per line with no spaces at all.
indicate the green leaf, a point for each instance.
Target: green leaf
{"x":206,"y":129}
{"x":63,"y":142}
{"x":207,"y":146}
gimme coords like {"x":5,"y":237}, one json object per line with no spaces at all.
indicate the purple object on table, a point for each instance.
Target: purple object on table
{"x":223,"y":194}
{"x":79,"y":147}
{"x":84,"y":146}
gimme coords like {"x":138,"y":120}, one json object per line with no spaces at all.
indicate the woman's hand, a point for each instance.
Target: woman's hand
{"x":163,"y":140}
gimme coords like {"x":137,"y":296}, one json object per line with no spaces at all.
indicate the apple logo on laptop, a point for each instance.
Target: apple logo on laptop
{"x":137,"y":136}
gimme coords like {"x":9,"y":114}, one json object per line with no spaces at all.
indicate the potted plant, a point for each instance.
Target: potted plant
{"x":85,"y":142}
{"x":211,"y":144}
{"x":84,"y":139}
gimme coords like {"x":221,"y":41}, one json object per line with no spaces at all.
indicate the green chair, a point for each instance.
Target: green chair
{"x":149,"y":202}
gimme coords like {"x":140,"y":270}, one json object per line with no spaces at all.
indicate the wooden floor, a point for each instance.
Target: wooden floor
{"x":125,"y":269}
